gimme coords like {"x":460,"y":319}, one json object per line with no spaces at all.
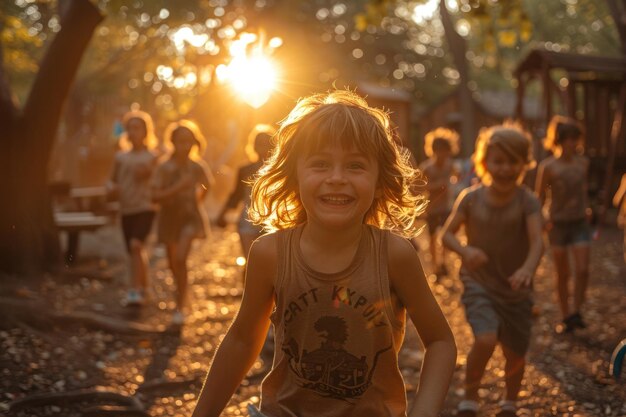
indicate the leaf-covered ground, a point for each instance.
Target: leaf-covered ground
{"x":69,"y":347}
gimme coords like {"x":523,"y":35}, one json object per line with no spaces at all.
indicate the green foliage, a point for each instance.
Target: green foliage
{"x":141,"y":53}
{"x":499,"y":33}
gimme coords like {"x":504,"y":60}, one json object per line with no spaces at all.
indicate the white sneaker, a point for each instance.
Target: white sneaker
{"x":178,"y":319}
{"x":134,"y":298}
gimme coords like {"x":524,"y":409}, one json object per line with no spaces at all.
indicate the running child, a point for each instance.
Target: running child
{"x":180,"y":185}
{"x":332,"y":279}
{"x":258,"y":149}
{"x":130,"y":183}
{"x":440,"y":145}
{"x":502,"y":221}
{"x":563,"y":178}
{"x":619,"y":201}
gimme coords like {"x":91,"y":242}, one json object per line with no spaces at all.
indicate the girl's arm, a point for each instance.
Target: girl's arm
{"x":472,"y":257}
{"x":524,"y":275}
{"x":111,"y":186}
{"x":409,"y":284}
{"x":587,"y":203}
{"x":621,"y":192}
{"x":541,"y":182}
{"x":160,"y":194}
{"x":244,"y":339}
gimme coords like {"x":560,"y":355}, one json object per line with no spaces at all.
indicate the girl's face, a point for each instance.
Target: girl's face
{"x":183,"y":141}
{"x":337,"y":186}
{"x":263,"y":149}
{"x":136,"y":130}
{"x":503,"y":169}
{"x":442,"y":153}
{"x":569,"y":145}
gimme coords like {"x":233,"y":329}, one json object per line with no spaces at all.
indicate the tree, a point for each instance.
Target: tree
{"x":29,"y":241}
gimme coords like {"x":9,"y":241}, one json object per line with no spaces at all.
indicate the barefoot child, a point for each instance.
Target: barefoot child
{"x":130,"y":182}
{"x":502,"y":222}
{"x":180,"y":185}
{"x":563,"y":177}
{"x":332,"y":278}
{"x":440,"y":146}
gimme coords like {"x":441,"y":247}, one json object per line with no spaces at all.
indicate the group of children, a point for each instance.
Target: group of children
{"x":174,"y":181}
{"x":337,"y":274}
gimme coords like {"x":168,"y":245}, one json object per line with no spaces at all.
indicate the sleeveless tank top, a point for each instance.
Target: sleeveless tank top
{"x":337,"y":336}
{"x":569,"y":200}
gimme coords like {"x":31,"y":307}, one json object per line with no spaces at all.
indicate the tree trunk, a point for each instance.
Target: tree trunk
{"x":29,"y":240}
{"x":618,"y":13}
{"x":458,"y":48}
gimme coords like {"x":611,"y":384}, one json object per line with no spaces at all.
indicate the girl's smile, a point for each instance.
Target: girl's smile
{"x":337,"y":186}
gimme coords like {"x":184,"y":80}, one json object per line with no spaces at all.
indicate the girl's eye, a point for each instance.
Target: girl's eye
{"x":318,"y":164}
{"x":356,"y":165}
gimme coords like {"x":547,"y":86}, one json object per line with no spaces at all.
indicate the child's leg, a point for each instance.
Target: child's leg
{"x":559,"y":255}
{"x":183,"y":248}
{"x":172,"y":255}
{"x":138,"y":264}
{"x":624,"y":243}
{"x":513,"y":372}
{"x":581,"y":263}
{"x":477,"y":359}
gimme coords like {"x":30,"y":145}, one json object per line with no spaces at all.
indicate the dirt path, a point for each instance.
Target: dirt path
{"x":162,"y":369}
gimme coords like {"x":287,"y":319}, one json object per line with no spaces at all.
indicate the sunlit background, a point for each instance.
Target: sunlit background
{"x":230,"y":64}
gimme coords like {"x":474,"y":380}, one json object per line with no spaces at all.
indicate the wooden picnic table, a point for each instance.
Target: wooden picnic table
{"x":88,"y":198}
{"x":74,"y":222}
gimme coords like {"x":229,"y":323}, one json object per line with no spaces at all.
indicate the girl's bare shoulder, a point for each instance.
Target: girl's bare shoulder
{"x":267,"y":243}
{"x":399,"y":250}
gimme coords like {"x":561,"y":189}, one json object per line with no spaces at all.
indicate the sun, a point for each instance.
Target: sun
{"x":253,"y":79}
{"x":251,"y":73}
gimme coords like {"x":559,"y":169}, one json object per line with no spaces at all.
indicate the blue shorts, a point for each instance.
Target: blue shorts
{"x":570,"y":233}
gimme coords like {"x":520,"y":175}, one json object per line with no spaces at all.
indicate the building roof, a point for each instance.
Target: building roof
{"x":537,"y":58}
{"x":502,"y":104}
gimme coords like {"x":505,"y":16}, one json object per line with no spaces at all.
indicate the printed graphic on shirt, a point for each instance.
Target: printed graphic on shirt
{"x":327,"y":367}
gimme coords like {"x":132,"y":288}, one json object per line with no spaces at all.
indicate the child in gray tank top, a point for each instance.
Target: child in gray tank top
{"x":502,"y":222}
{"x":332,"y":279}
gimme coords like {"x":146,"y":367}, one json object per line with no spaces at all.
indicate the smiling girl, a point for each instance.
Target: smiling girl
{"x":179,"y":186}
{"x":332,"y":278}
{"x":502,"y":222}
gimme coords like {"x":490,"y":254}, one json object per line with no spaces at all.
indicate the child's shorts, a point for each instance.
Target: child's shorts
{"x":511,"y":321}
{"x":137,"y":226}
{"x":570,"y":233}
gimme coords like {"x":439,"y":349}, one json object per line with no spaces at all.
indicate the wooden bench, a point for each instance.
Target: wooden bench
{"x":74,"y":222}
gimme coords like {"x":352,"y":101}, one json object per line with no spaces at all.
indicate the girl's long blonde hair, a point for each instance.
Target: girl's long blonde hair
{"x":510,"y":138}
{"x":345,"y":118}
{"x":150,"y":139}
